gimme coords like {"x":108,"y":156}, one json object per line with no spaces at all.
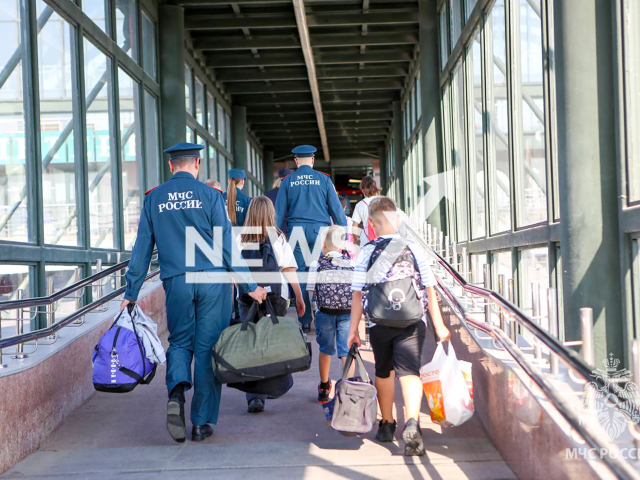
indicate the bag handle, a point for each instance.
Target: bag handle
{"x":253,"y":311}
{"x":354,"y":354}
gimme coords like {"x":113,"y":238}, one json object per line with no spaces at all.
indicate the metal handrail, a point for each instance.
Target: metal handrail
{"x":50,"y":330}
{"x":54,"y":297}
{"x":619,"y":467}
{"x":571,"y":358}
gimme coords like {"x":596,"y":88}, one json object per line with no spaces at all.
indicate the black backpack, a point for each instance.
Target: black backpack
{"x":392,"y":297}
{"x":269,"y":265}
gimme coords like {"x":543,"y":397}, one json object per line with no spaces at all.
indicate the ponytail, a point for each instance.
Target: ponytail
{"x":232,"y":195}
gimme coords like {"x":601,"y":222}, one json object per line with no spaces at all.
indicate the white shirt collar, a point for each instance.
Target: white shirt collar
{"x":333,"y":254}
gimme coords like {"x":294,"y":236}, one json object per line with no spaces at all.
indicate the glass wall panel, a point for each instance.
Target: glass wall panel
{"x":153,"y":159}
{"x":459,"y":153}
{"x":468,"y":7}
{"x":13,"y":175}
{"x":501,"y":265}
{"x":455,"y":12}
{"x":632,"y":66}
{"x":476,"y":144}
{"x":534,"y":275}
{"x":96,"y":11}
{"x":57,"y":89}
{"x":100,"y":161}
{"x":227,"y":121}
{"x":12,"y":279}
{"x":221,"y":125}
{"x":188,"y":89}
{"x":191,"y":135}
{"x":211,"y":114}
{"x":61,"y":277}
{"x":478,"y":261}
{"x":444,"y":36}
{"x":149,"y":54}
{"x":129,"y":101}
{"x":500,"y":196}
{"x":127,"y":27}
{"x":213,"y":163}
{"x":199,"y":102}
{"x":532,"y":197}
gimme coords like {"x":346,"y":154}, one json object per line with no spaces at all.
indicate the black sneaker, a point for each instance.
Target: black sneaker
{"x":306,"y":328}
{"x":386,"y":431}
{"x":323,"y":393}
{"x":256,"y":405}
{"x":412,"y":436}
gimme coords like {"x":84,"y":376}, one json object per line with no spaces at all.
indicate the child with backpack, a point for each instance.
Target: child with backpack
{"x":274,"y":255}
{"x":329,"y":281}
{"x":392,"y":285}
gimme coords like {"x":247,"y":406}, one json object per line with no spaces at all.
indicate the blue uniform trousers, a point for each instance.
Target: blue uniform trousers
{"x":196,"y":315}
{"x":311,"y":233}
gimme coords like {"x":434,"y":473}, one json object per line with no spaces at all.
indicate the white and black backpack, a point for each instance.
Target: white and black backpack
{"x":392,"y":296}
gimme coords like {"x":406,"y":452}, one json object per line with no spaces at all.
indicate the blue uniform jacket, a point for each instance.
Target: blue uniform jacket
{"x":168,"y":210}
{"x":308,"y":197}
{"x":242,"y":205}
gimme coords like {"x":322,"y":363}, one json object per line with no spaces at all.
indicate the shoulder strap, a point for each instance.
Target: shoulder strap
{"x":378,"y":244}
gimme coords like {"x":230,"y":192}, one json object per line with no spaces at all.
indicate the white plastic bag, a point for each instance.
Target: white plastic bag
{"x":447,"y":392}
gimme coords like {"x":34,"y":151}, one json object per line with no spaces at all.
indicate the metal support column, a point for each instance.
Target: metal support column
{"x":398,"y":144}
{"x":268,"y":170}
{"x":430,"y":102}
{"x":384,"y":174}
{"x":587,"y":171}
{"x":174,"y":112}
{"x":240,"y":154}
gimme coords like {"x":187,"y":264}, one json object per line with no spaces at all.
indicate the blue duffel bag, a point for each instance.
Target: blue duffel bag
{"x":119,"y":360}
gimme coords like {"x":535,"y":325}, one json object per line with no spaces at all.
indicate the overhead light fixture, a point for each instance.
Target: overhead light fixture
{"x":353,"y":180}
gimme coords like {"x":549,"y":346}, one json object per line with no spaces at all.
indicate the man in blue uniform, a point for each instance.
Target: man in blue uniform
{"x":308,"y":200}
{"x":173,"y":216}
{"x":234,"y":196}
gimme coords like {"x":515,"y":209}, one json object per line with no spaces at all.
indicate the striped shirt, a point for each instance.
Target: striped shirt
{"x":362,"y":263}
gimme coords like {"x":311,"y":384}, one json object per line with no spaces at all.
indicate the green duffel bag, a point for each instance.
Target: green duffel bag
{"x":271,"y":347}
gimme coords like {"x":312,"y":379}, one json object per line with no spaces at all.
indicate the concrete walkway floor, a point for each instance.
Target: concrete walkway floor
{"x":124,"y":436}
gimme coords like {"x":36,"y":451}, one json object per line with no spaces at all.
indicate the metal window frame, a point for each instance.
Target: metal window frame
{"x":34,"y":252}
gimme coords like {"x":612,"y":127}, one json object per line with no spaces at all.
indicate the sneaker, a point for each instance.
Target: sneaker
{"x":306,"y":328}
{"x":323,"y":393}
{"x":412,"y":436}
{"x":386,"y":431}
{"x":256,"y":405}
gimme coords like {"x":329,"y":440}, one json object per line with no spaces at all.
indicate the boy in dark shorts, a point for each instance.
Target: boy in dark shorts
{"x":397,"y":351}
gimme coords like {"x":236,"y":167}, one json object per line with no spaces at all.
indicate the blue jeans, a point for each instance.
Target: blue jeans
{"x":332,"y":332}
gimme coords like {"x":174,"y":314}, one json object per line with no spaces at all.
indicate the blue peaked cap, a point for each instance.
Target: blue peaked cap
{"x":237,"y":173}
{"x":302,"y":151}
{"x":184,"y":149}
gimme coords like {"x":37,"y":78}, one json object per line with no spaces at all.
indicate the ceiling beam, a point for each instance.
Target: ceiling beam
{"x":272,"y":59}
{"x":292,"y":116}
{"x":210,"y":3}
{"x":218,"y":22}
{"x":207,"y":43}
{"x":330,"y":107}
{"x":323,"y":85}
{"x":284,"y":127}
{"x":297,"y":73}
{"x":303,"y":31}
{"x":328,"y":98}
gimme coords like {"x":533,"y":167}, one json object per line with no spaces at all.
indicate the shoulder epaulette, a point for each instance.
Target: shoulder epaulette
{"x":216,"y":188}
{"x":149,"y":191}
{"x":327,"y":174}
